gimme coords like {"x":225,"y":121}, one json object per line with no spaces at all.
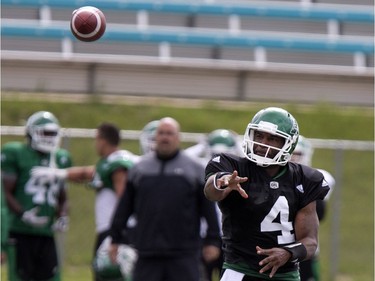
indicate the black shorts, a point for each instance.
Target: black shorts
{"x":35,"y":256}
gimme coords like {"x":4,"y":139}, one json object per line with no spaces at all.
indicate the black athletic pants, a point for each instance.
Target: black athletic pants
{"x":36,"y":256}
{"x":185,"y":268}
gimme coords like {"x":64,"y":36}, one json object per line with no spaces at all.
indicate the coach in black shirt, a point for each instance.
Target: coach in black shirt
{"x":165,"y":193}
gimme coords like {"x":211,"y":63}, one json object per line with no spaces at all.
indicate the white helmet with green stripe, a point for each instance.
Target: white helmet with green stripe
{"x":222,"y":141}
{"x":122,"y":270}
{"x":147,"y":137}
{"x":277,"y":122}
{"x":43,"y":129}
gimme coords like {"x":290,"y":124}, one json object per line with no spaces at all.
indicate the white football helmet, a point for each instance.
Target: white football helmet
{"x":303,"y":152}
{"x":122,"y":269}
{"x":43,"y":130}
{"x":147,"y":137}
{"x":275,"y":121}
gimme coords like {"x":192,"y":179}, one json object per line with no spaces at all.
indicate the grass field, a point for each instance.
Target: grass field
{"x":356,"y":221}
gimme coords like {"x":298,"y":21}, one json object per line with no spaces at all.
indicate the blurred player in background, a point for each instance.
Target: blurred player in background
{"x":217,"y":141}
{"x":267,"y":202}
{"x":303,"y":153}
{"x":108,"y":178}
{"x":37,"y":204}
{"x":147,"y":137}
{"x":4,"y":225}
{"x":165,"y":192}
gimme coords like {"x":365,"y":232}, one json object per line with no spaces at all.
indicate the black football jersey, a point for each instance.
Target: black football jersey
{"x":266,"y":217}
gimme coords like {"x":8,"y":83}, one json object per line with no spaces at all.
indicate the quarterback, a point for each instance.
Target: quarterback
{"x":268,"y":204}
{"x":37,"y":204}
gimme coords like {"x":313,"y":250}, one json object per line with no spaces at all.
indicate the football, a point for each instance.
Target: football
{"x":88,"y":23}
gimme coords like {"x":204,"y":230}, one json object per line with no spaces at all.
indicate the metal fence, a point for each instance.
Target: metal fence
{"x":334,"y":144}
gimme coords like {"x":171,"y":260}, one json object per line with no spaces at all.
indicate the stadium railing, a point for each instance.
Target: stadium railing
{"x":194,"y":137}
{"x":234,"y":37}
{"x":60,"y":30}
{"x":251,"y":8}
{"x":360,"y":46}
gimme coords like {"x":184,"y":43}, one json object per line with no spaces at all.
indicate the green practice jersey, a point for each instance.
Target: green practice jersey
{"x":106,"y":198}
{"x":4,"y":220}
{"x":18,"y":159}
{"x":106,"y":166}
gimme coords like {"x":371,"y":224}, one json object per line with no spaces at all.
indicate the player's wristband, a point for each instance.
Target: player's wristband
{"x":218,"y":176}
{"x":298,"y":251}
{"x":61,"y":173}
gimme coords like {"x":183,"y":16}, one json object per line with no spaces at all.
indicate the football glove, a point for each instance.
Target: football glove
{"x":49,"y":172}
{"x":30,"y":217}
{"x":61,"y":224}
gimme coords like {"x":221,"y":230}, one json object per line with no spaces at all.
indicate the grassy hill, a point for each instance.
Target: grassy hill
{"x":355,"y":251}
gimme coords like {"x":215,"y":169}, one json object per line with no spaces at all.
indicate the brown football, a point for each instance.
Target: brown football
{"x":88,"y":23}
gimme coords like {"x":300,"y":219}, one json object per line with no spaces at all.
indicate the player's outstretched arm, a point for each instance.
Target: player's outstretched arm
{"x":219,"y":185}
{"x":75,"y":174}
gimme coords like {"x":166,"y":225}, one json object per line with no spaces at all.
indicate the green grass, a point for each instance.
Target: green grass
{"x":356,"y":233}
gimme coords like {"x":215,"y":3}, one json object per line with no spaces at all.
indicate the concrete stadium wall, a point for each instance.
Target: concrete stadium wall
{"x":185,"y":79}
{"x":43,"y":64}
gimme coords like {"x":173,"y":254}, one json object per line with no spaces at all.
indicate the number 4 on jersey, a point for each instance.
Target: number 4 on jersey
{"x":270,"y":223}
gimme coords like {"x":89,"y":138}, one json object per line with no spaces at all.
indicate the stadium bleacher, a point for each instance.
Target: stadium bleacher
{"x":327,"y":34}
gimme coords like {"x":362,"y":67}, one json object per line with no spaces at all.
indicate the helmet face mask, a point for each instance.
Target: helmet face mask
{"x":276,"y":122}
{"x":44,"y":131}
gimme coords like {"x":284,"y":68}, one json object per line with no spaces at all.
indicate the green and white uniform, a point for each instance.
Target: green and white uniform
{"x":105,"y":204}
{"x":18,"y":159}
{"x":106,"y":198}
{"x":4,"y":221}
